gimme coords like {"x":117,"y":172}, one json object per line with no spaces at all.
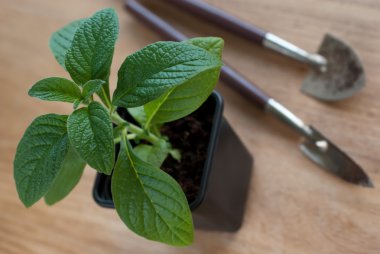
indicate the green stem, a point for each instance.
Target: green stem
{"x":117,"y":140}
{"x":129,"y":137}
{"x":105,"y":99}
{"x":135,"y":129}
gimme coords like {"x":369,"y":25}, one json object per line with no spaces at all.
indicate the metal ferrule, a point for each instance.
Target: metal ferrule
{"x":279,"y":45}
{"x":288,"y":117}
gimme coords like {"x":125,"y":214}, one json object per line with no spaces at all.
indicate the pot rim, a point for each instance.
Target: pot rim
{"x":213,"y":141}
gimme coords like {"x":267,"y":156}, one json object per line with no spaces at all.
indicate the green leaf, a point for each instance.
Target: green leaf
{"x":90,"y":133}
{"x":149,"y":201}
{"x":67,"y":178}
{"x":153,"y":154}
{"x":143,"y":151}
{"x":91,"y":87}
{"x":138,"y":114}
{"x":148,"y":73}
{"x":212,"y":44}
{"x":182,"y":100}
{"x":61,"y":40}
{"x":91,"y":52}
{"x":176,"y":154}
{"x":56,"y":89}
{"x":77,"y":103}
{"x":39,"y":156}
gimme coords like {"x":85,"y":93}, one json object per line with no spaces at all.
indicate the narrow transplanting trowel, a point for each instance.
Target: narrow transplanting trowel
{"x":316,"y":147}
{"x":336,"y":71}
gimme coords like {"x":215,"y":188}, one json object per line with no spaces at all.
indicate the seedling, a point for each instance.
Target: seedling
{"x":160,"y":83}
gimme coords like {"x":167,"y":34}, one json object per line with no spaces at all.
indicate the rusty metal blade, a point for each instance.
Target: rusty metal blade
{"x":344,"y":75}
{"x":324,"y":153}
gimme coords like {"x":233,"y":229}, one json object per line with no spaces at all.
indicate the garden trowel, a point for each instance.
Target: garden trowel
{"x":316,"y":147}
{"x":336,"y":71}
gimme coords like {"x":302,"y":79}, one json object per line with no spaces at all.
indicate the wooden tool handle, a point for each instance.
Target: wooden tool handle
{"x":222,"y":19}
{"x":228,"y":75}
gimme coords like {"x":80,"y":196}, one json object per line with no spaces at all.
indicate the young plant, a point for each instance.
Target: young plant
{"x":162,"y":82}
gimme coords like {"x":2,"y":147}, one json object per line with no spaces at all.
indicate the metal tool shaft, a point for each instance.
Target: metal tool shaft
{"x":290,"y":119}
{"x":286,"y":48}
{"x":250,"y":32}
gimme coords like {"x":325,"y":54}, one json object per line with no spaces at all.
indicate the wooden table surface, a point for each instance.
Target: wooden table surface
{"x":293,"y":207}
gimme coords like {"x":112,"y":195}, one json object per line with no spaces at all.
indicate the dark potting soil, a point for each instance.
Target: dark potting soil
{"x":191,"y":136}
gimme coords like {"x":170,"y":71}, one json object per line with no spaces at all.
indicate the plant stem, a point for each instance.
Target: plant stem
{"x":129,"y":137}
{"x":105,"y":99}
{"x":117,"y":119}
{"x":135,"y":129}
{"x":117,"y":140}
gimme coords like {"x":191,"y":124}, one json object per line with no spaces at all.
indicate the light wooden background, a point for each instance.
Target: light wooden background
{"x":294,"y":207}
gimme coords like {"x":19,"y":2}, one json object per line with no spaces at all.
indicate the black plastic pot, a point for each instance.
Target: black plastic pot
{"x":220,"y":202}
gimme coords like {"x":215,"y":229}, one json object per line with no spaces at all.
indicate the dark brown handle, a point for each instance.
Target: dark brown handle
{"x":222,"y":19}
{"x":228,"y":75}
{"x":246,"y":88}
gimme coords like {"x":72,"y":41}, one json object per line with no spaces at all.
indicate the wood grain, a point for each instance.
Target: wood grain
{"x":294,"y":207}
